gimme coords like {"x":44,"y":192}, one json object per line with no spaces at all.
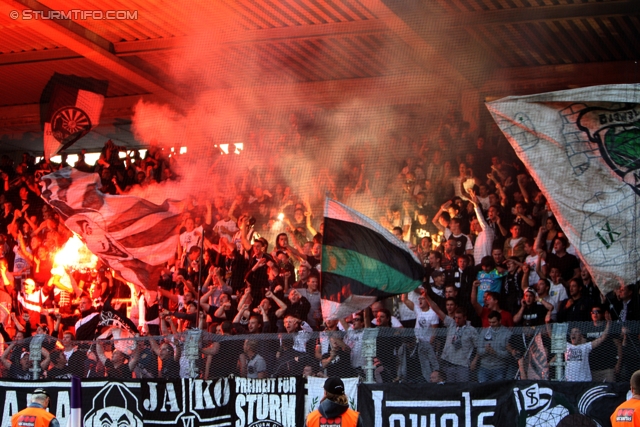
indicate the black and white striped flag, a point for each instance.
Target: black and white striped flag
{"x":131,"y":235}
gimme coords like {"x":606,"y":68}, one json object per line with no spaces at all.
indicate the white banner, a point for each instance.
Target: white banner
{"x":582,"y":147}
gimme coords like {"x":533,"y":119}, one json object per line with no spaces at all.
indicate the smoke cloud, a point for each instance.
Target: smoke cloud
{"x":235,"y":96}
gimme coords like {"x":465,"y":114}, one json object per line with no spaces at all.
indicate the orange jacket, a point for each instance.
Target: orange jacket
{"x":349,"y":418}
{"x":32,"y":417}
{"x":627,"y":414}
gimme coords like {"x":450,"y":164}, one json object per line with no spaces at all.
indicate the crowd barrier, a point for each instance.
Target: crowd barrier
{"x":532,"y":353}
{"x":286,"y":401}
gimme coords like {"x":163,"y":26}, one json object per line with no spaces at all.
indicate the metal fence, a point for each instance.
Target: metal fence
{"x":562,"y":352}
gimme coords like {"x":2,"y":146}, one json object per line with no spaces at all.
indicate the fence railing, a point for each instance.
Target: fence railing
{"x":556,"y":352}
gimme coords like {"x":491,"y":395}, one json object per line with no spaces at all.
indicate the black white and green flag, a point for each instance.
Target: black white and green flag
{"x":582,"y":147}
{"x":362,"y":262}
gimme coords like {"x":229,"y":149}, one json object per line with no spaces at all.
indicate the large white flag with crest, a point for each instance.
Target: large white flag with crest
{"x":582,"y":148}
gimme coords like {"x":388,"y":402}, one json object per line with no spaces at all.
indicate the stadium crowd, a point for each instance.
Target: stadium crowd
{"x":498,"y":272}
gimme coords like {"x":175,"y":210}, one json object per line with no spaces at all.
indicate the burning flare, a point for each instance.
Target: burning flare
{"x":75,"y":255}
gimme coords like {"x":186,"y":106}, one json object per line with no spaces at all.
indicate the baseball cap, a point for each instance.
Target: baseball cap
{"x":41,"y":391}
{"x":531,"y":291}
{"x":334,"y":385}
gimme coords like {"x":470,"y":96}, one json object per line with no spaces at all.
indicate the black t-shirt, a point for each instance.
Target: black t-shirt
{"x":287,"y":267}
{"x":533,"y":315}
{"x":258,"y":278}
{"x":414,"y":367}
{"x":290,"y":362}
{"x":59,"y":373}
{"x":420,"y":231}
{"x":16,"y":372}
{"x":225,"y":363}
{"x":511,"y":293}
{"x":4,"y":221}
{"x":463,"y":280}
{"x":566,"y":264}
{"x":147,"y":366}
{"x":313,"y":261}
{"x":76,"y":363}
{"x":580,"y":310}
{"x":461,"y":243}
{"x":170,"y":369}
{"x":340,"y":365}
{"x":386,"y":353}
{"x":299,"y":310}
{"x":235,"y":270}
{"x":228,"y":314}
{"x":122,"y":372}
{"x":603,"y":356}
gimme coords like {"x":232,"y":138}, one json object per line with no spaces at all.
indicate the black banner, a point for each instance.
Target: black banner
{"x":507,"y":403}
{"x":224,"y":402}
{"x":279,"y":402}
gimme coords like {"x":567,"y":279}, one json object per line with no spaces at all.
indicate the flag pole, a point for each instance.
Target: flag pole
{"x":200,"y":279}
{"x":75,"y":415}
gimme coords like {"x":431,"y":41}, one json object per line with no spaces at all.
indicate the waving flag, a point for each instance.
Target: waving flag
{"x":582,"y":148}
{"x":115,"y":325}
{"x":75,"y":415}
{"x":362,"y":262}
{"x":131,"y":235}
{"x":70,"y":107}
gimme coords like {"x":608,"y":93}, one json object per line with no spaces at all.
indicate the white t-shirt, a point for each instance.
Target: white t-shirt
{"x":514,"y":242}
{"x":485,"y":202}
{"x":424,"y":324}
{"x":226,"y":229}
{"x":532,"y":261}
{"x":300,"y":341}
{"x":190,"y":238}
{"x":405,"y":313}
{"x":557,"y":293}
{"x":395,"y":323}
{"x":456,"y":187}
{"x":353,"y":339}
{"x":255,"y":366}
{"x":577,"y":362}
